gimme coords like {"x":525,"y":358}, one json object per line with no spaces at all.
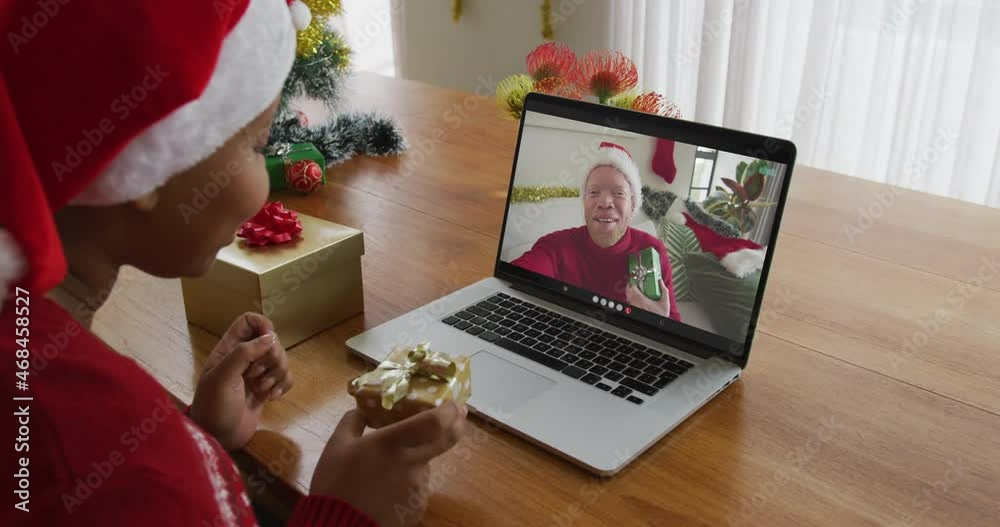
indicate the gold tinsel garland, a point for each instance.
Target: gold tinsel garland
{"x":312,"y":37}
{"x":309,"y":40}
{"x":533,"y":194}
{"x":547,"y":31}
{"x":324,"y":8}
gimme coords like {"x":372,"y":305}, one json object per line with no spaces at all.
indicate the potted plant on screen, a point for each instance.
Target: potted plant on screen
{"x":739,"y":206}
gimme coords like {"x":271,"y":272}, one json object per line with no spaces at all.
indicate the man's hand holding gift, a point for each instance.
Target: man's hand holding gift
{"x":636,"y":298}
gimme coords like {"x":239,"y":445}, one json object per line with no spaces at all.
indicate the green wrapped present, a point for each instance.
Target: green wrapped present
{"x":644,"y":271}
{"x":299,"y":166}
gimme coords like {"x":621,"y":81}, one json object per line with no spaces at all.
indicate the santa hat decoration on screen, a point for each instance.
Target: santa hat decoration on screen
{"x":615,"y":155}
{"x":739,"y":256}
{"x":123,"y":119}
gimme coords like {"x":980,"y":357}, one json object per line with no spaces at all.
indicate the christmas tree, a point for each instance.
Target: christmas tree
{"x":322,"y":61}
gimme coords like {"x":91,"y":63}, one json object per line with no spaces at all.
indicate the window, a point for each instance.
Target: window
{"x":703,"y":179}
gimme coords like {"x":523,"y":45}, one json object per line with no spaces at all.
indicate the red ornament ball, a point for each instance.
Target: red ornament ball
{"x":304,"y":176}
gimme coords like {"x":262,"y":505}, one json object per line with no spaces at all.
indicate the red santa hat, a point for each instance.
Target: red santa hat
{"x":740,"y":257}
{"x":102,"y":103}
{"x":615,"y":155}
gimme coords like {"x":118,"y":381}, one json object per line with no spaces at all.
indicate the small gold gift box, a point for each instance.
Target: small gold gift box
{"x":409,"y":381}
{"x":304,"y":286}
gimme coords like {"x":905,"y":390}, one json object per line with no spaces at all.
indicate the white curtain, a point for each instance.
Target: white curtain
{"x":905,"y":92}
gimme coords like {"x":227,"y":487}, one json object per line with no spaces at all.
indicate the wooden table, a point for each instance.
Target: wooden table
{"x":836,"y":422}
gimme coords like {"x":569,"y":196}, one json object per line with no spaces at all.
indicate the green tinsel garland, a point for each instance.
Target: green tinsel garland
{"x":655,"y":204}
{"x":318,"y":76}
{"x":525,"y":193}
{"x":345,"y":136}
{"x":715,"y":223}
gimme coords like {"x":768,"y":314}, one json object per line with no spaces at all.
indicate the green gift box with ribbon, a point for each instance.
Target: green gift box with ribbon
{"x":409,"y":381}
{"x":297,"y":166}
{"x":644,"y":271}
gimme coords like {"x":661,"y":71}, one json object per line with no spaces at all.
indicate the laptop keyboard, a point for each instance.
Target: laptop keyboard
{"x":601,"y":359}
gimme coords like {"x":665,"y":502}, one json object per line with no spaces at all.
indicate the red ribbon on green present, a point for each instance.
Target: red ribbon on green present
{"x":298,"y":166}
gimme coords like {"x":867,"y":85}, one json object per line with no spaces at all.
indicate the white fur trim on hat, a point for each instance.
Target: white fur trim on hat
{"x":675,"y":214}
{"x":301,"y":15}
{"x":255,"y":58}
{"x":744,"y":261}
{"x":12,"y":263}
{"x":619,"y":159}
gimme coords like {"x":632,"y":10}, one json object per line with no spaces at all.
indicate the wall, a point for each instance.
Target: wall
{"x":366,"y":26}
{"x":684,"y":159}
{"x":490,"y":40}
{"x":557,"y":152}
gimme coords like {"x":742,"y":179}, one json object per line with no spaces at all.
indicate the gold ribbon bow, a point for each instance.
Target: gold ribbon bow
{"x":394,"y":377}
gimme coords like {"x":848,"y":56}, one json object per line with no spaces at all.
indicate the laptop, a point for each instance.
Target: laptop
{"x":584,"y":341}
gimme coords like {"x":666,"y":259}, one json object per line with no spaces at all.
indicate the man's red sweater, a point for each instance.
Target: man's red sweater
{"x":107,"y":446}
{"x":572,"y":257}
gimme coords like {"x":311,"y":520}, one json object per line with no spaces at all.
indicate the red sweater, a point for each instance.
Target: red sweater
{"x":572,"y":257}
{"x":107,"y":447}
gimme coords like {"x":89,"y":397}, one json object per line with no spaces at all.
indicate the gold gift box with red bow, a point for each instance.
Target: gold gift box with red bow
{"x":304,"y":285}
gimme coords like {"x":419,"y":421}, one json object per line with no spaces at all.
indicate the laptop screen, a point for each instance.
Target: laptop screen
{"x":669,"y":234}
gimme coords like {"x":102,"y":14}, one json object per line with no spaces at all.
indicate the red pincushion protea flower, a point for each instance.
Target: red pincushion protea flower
{"x":558,"y":86}
{"x":551,"y":59}
{"x":605,"y":74}
{"x":655,"y":103}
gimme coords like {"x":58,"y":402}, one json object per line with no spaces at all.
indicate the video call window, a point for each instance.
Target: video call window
{"x":673,"y":230}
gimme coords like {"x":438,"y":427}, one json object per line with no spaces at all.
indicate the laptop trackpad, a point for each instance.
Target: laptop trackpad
{"x":500,"y":386}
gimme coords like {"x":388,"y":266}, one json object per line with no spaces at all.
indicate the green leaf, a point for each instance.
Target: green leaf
{"x":740,"y":169}
{"x":720,"y":189}
{"x":738,"y":189}
{"x":754,"y":186}
{"x":715,"y":208}
{"x":762,"y":204}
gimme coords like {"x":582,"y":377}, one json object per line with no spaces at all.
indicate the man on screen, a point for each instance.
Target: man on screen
{"x":595,"y":255}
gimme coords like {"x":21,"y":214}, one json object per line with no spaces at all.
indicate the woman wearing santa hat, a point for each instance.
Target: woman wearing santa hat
{"x":112,"y":115}
{"x":595,"y":256}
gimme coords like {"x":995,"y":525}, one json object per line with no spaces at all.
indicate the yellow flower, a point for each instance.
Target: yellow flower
{"x":511,"y":93}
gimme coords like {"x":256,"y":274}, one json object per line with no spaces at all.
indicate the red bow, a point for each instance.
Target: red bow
{"x":273,"y":225}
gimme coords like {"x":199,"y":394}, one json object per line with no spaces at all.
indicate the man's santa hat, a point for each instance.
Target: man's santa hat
{"x":739,"y":256}
{"x":616,"y":156}
{"x":108,"y":101}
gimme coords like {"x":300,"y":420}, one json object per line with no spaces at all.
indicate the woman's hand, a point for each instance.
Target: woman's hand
{"x":378,"y":472}
{"x":635,"y":297}
{"x":246,"y":369}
